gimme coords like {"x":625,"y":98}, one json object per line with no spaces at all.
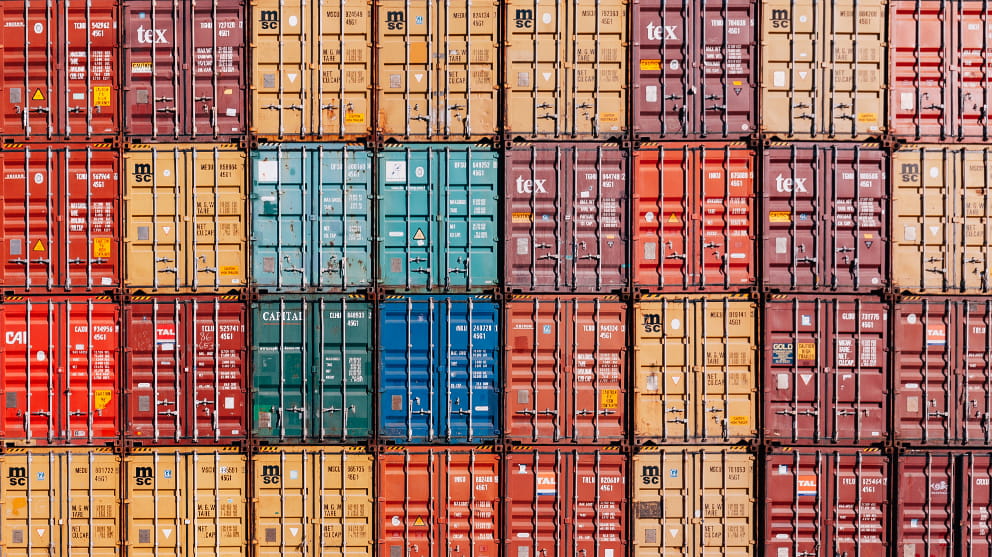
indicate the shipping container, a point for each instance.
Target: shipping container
{"x":826,"y":369}
{"x":312,"y":368}
{"x":185,"y":209}
{"x":438,"y":69}
{"x":60,"y":77}
{"x":939,"y":70}
{"x":60,"y":502}
{"x":694,"y":69}
{"x":565,"y":370}
{"x":435,"y":502}
{"x":439,"y":369}
{"x":825,"y":221}
{"x":565,"y":70}
{"x":565,"y":218}
{"x":695,"y":369}
{"x":438,"y":217}
{"x":694,"y":501}
{"x":822,"y":501}
{"x":943,"y":503}
{"x":694,"y":205}
{"x":59,"y":370}
{"x":184,"y":66}
{"x":60,"y":219}
{"x":943,"y":371}
{"x":185,"y":378}
{"x":311,"y":223}
{"x":312,"y":501}
{"x":186,"y":502}
{"x":823,"y":69}
{"x":311,"y":69}
{"x":565,"y":501}
{"x":941,"y":219}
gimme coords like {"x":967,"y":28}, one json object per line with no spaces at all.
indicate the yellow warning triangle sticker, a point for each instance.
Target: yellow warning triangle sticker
{"x":419,"y":521}
{"x":673,"y":218}
{"x":419,"y":235}
{"x":38,"y":95}
{"x":38,"y":246}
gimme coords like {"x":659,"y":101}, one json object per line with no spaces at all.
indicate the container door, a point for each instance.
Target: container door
{"x":280,"y":201}
{"x":467,"y":202}
{"x":157,"y":394}
{"x":597,"y":70}
{"x":90,"y":95}
{"x":156,"y":237}
{"x":594,"y":399}
{"x":217,"y":49}
{"x":467,"y":396}
{"x":283,"y":501}
{"x":467,"y":82}
{"x":407,"y":218}
{"x":409,"y":500}
{"x":216,"y":407}
{"x":537,"y":504}
{"x":90,"y":209}
{"x":597,"y":250}
{"x":31,"y":194}
{"x":33,"y":485}
{"x":282,"y":57}
{"x":341,"y":234}
{"x":408,"y":68}
{"x":31,"y":370}
{"x":215,"y":497}
{"x":90,"y":503}
{"x":155,"y":101}
{"x":536,"y":331}
{"x":281,"y":333}
{"x":216,"y":218}
{"x":468,"y":517}
{"x":342,"y":362}
{"x":342,"y":59}
{"x":410,"y":345}
{"x":725,"y":238}
{"x":975,"y":379}
{"x":30,"y":106}
{"x":92,"y":345}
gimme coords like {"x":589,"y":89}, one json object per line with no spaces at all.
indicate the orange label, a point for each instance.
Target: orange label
{"x":101,"y":248}
{"x":522,"y":217}
{"x":102,"y":398}
{"x":806,"y":485}
{"x":229,"y":270}
{"x":610,"y":398}
{"x":739,"y":420}
{"x":867,"y":117}
{"x":101,"y":96}
{"x":354,"y":118}
{"x":651,"y":65}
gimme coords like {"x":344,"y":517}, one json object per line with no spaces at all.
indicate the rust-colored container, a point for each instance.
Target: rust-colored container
{"x":820,"y":498}
{"x":60,"y":219}
{"x":435,"y":501}
{"x":565,"y":501}
{"x":826,"y":369}
{"x":694,"y":207}
{"x":565,"y":218}
{"x":565,"y":369}
{"x":943,"y":371}
{"x":694,"y":69}
{"x":59,"y":370}
{"x":184,"y":66}
{"x":185,"y":374}
{"x":60,"y":79}
{"x":825,"y":217}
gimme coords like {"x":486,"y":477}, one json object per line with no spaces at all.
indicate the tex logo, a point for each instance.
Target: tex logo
{"x":151,"y":35}
{"x":806,"y":486}
{"x":661,"y":32}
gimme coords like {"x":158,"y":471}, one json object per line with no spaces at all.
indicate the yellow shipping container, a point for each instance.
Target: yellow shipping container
{"x":312,"y":501}
{"x":60,"y":502}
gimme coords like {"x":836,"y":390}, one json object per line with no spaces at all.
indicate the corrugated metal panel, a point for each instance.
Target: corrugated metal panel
{"x":311,"y":217}
{"x":312,"y":376}
{"x":438,"y":225}
{"x":60,"y":502}
{"x":695,"y":369}
{"x":823,"y":69}
{"x":311,"y":69}
{"x":185,"y":211}
{"x":565,"y":69}
{"x":438,"y":369}
{"x":312,"y":501}
{"x":438,"y":69}
{"x":694,"y":501}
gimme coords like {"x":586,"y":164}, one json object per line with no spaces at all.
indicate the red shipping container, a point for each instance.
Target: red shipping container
{"x":184,"y":63}
{"x":565,"y":218}
{"x":60,"y":219}
{"x":565,"y":369}
{"x":60,"y":79}
{"x":438,"y":502}
{"x":694,"y":69}
{"x":826,"y":502}
{"x":943,"y":371}
{"x":825,"y":217}
{"x":186,"y":369}
{"x":58,"y":370}
{"x":694,"y":205}
{"x":566,"y":501}
{"x":943,"y":503}
{"x":826,"y":369}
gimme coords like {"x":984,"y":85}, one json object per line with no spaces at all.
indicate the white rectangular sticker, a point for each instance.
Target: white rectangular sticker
{"x":268,"y":171}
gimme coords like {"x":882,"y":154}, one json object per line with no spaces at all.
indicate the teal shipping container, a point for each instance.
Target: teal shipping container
{"x":312,"y":376}
{"x":438,"y":206}
{"x":311,"y":223}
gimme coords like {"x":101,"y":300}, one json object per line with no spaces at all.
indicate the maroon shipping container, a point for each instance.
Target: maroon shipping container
{"x":438,"y":502}
{"x":58,"y":370}
{"x":565,"y":501}
{"x":943,"y":503}
{"x":826,"y":502}
{"x":565,"y":217}
{"x":59,"y":68}
{"x":186,"y":369}
{"x":825,"y":218}
{"x":184,"y":66}
{"x":694,"y":69}
{"x":60,"y":219}
{"x":825,"y":369}
{"x":565,"y":369}
{"x":694,"y":205}
{"x":943,"y":371}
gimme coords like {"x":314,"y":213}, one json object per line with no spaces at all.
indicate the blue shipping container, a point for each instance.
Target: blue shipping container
{"x":438,"y":369}
{"x":311,"y":224}
{"x":438,"y":217}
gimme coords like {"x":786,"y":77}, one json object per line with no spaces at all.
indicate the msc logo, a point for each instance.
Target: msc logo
{"x":661,"y":32}
{"x":524,"y":19}
{"x":652,"y":323}
{"x":781,"y":19}
{"x":269,"y":19}
{"x":395,"y":20}
{"x":910,"y":172}
{"x":143,"y":475}
{"x":17,"y":475}
{"x":270,"y":474}
{"x":651,"y":475}
{"x":142,"y":172}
